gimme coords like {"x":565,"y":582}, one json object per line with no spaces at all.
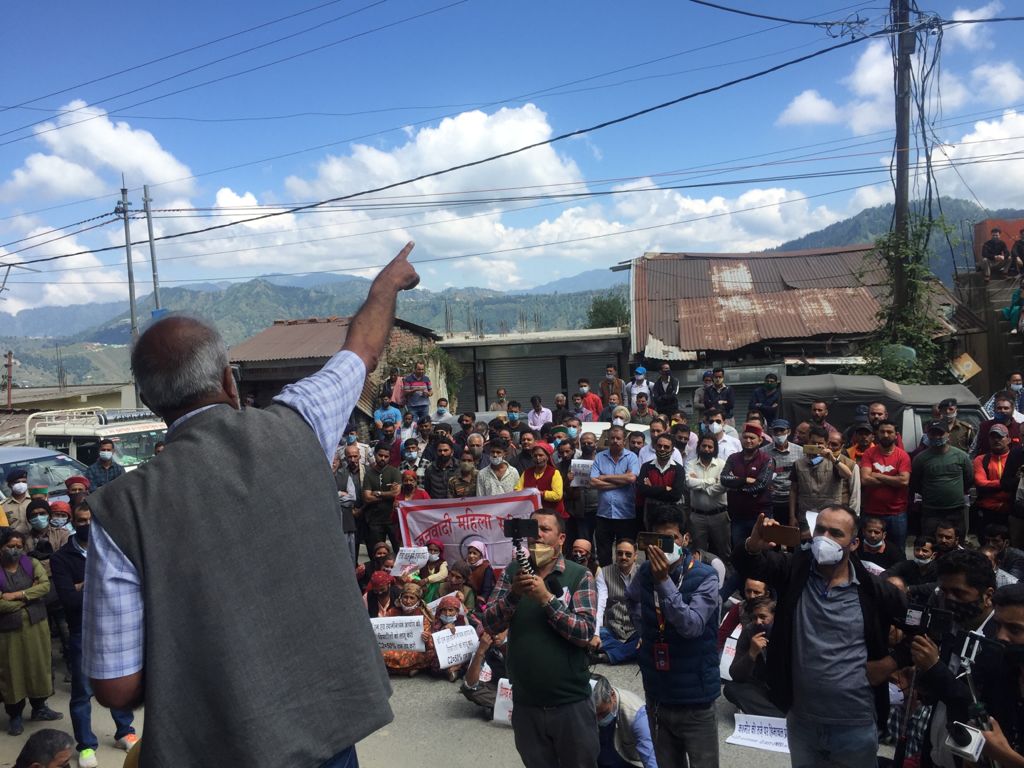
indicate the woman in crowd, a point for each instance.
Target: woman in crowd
{"x":457,"y":584}
{"x":381,"y":552}
{"x":24,"y":634}
{"x":410,"y":603}
{"x":56,"y":533}
{"x":546,"y":478}
{"x":381,"y":595}
{"x":433,"y":574}
{"x":449,"y":616}
{"x":481,"y":577}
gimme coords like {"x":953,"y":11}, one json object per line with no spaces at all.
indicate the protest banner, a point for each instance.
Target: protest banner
{"x":503,"y":703}
{"x":399,"y":633}
{"x":455,"y":647}
{"x":456,"y":522}
{"x":729,"y":653}
{"x":409,"y":560}
{"x":580,"y":469}
{"x":767,"y":733}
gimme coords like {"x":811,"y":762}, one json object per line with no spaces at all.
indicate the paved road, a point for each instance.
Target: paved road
{"x":431,"y":719}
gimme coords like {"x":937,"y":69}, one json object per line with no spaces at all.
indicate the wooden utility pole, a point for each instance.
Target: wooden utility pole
{"x":905,"y":40}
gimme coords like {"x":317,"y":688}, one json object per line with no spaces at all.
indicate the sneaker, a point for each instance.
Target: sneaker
{"x":87,"y":759}
{"x":15,"y":727}
{"x":127,"y":741}
{"x":45,"y":713}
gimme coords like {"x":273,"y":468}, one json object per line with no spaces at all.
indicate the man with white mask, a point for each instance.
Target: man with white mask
{"x":833,"y":617}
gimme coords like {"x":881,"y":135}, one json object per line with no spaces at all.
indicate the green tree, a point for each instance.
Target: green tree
{"x":608,"y":311}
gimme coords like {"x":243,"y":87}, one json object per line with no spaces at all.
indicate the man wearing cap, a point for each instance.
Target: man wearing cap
{"x":884,"y":478}
{"x":961,"y":434}
{"x":1003,"y":409}
{"x":665,"y":392}
{"x":784,"y":454}
{"x":747,"y":476}
{"x":942,"y":475}
{"x":861,"y":438}
{"x":993,"y":503}
{"x":638,"y":385}
{"x":15,"y":506}
{"x":77,"y":484}
{"x":994,"y":254}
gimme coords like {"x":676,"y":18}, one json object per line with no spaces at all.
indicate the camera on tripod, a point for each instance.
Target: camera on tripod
{"x":936,"y":623}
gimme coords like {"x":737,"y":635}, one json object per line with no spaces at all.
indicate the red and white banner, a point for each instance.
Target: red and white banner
{"x":456,"y":522}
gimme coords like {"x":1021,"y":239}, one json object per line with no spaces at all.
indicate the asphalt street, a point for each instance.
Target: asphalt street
{"x":433,"y":724}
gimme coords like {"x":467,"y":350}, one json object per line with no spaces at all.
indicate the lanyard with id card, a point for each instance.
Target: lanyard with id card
{"x":662,"y":660}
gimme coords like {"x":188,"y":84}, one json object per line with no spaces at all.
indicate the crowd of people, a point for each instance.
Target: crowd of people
{"x":722,"y":578}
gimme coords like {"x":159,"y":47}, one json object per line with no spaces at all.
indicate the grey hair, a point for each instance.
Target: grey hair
{"x":602,"y":692}
{"x":173,"y":373}
{"x":42,"y":746}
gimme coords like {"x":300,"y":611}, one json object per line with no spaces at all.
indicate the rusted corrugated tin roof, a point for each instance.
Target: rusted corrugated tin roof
{"x":731,"y":322}
{"x":293,"y":340}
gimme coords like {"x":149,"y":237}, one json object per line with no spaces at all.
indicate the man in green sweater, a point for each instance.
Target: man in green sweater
{"x":551,"y":614}
{"x":942,"y":474}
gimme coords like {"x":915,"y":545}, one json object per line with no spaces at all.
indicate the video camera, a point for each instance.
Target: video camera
{"x":936,"y":623}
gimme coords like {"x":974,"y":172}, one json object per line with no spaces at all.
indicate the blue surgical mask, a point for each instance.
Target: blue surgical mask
{"x":584,"y":390}
{"x":350,"y":439}
{"x":606,"y":720}
{"x":572,"y":432}
{"x":39,"y":523}
{"x":557,"y":442}
{"x":448,"y":619}
{"x":513,"y":416}
{"x":1017,"y":387}
{"x":442,"y":411}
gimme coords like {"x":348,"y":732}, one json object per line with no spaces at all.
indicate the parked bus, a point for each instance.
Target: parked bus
{"x":78,"y":432}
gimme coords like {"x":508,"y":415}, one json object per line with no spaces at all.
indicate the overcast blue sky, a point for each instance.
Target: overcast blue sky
{"x":426,"y":84}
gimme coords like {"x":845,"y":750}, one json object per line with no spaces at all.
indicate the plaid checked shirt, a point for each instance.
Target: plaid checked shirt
{"x":113,"y":636}
{"x":576,"y":620}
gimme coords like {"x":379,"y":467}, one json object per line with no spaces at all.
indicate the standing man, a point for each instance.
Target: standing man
{"x":145,"y":637}
{"x":67,"y":568}
{"x":539,"y":415}
{"x":747,"y":476}
{"x":104,"y":469}
{"x":884,"y":479}
{"x":785,"y":454}
{"x":417,"y":389}
{"x":381,"y":484}
{"x":674,"y":603}
{"x":353,"y":462}
{"x":551,"y":618}
{"x":612,"y":385}
{"x":817,"y":479}
{"x":662,"y":480}
{"x":942,"y":475}
{"x":665,"y":392}
{"x":961,"y":434}
{"x":1002,"y":414}
{"x":500,"y":401}
{"x":719,"y":395}
{"x":437,"y":476}
{"x":613,"y":474}
{"x":714,"y":425}
{"x":819,"y":416}
{"x":348,"y":495}
{"x":498,"y":476}
{"x":591,"y":401}
{"x":709,"y":516}
{"x":767,"y":398}
{"x":830,"y":634}
{"x":639,"y":385}
{"x":994,"y":504}
{"x":1014,"y":385}
{"x":15,"y":506}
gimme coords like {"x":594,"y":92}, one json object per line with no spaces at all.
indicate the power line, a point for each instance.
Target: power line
{"x":175,"y":54}
{"x":54,"y":229}
{"x":800,"y":22}
{"x":232,"y":75}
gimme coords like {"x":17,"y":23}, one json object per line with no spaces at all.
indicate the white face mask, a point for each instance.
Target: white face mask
{"x":922,"y":560}
{"x":106,"y":455}
{"x":497,"y":461}
{"x":19,"y":488}
{"x":674,"y":555}
{"x":825,"y":551}
{"x":715,"y":427}
{"x":618,"y":422}
{"x":780,"y":440}
{"x":432,"y":558}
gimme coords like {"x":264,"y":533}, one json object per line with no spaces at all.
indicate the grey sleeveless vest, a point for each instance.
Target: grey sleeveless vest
{"x":616,"y":612}
{"x":258,"y":649}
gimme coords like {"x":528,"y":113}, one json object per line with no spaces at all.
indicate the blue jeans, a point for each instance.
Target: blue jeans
{"x":346,"y":759}
{"x":81,"y":702}
{"x":619,"y":652}
{"x":896,"y":530}
{"x":814,"y":745}
{"x":419,"y":412}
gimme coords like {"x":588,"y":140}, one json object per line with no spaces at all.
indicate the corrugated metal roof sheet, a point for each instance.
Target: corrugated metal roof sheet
{"x":293,"y":340}
{"x":731,"y":322}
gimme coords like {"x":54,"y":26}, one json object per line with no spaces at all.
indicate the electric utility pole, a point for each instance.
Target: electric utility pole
{"x":122,"y":209}
{"x":905,"y":40}
{"x":146,"y":200}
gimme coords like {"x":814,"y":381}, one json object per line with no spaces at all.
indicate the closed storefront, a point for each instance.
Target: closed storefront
{"x":525,"y":377}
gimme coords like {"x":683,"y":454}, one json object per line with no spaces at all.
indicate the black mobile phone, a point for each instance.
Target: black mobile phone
{"x":520,"y":528}
{"x":662,"y":541}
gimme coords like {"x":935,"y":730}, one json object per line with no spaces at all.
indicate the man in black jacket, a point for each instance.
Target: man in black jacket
{"x":441,"y":470}
{"x":67,"y":566}
{"x":833,"y":618}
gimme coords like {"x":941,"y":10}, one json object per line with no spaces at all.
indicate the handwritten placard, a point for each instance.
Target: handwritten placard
{"x":455,"y":648}
{"x":729,"y":653}
{"x":399,"y":633}
{"x":768,"y":733}
{"x":409,"y":560}
{"x":503,"y":703}
{"x":580,"y":469}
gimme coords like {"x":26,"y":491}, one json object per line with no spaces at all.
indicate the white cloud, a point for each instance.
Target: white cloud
{"x":91,"y":139}
{"x":48,"y":177}
{"x":810,"y":108}
{"x":972,"y":36}
{"x":997,"y":184}
{"x":998,"y":83}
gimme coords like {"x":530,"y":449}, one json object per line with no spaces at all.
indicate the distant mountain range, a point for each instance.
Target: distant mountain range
{"x":241,"y":309}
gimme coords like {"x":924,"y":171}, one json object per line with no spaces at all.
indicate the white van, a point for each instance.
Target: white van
{"x":78,"y":432}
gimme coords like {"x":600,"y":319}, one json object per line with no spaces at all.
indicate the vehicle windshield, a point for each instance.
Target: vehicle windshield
{"x":50,"y":471}
{"x":135,"y":447}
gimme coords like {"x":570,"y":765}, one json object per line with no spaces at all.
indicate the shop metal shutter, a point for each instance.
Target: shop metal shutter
{"x":524,"y":377}
{"x":588,"y":366}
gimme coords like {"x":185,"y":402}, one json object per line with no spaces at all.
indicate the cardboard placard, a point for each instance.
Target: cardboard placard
{"x":729,"y":653}
{"x":409,"y":560}
{"x":768,"y":733}
{"x":503,"y":703}
{"x":455,"y":648}
{"x":399,"y":633}
{"x":580,"y":469}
